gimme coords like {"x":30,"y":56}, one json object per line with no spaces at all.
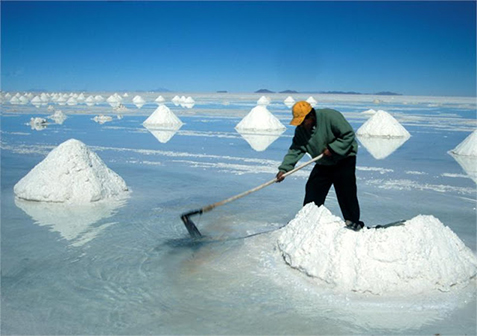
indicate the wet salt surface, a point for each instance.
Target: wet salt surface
{"x":132,"y":269}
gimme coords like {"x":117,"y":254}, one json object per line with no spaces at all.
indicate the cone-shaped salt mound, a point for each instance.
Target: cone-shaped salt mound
{"x":468,"y":147}
{"x":421,"y":256}
{"x":163,"y":117}
{"x":382,"y":124}
{"x":259,"y":119}
{"x":70,"y":173}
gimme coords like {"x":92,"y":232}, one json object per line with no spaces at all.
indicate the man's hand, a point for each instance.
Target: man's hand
{"x":327,"y":152}
{"x":280,"y":176}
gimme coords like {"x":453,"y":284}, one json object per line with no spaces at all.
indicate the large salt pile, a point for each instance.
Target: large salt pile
{"x":70,"y":173}
{"x":421,"y":256}
{"x":259,"y":119}
{"x":468,"y":147}
{"x":163,"y":117}
{"x":382,"y":124}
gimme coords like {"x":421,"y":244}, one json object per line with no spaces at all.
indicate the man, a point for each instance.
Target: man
{"x":326,"y":131}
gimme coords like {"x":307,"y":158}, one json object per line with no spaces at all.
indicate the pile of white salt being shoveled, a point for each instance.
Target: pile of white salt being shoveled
{"x":420,"y":256}
{"x":70,"y":173}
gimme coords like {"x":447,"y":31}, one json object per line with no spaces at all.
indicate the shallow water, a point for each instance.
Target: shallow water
{"x":130,"y":267}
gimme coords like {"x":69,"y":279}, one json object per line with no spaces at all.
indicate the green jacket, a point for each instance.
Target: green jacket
{"x":332,"y":131}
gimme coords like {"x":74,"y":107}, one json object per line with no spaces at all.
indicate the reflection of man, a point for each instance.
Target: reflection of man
{"x":326,"y":131}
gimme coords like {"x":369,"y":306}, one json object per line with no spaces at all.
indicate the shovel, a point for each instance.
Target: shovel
{"x":192,"y":228}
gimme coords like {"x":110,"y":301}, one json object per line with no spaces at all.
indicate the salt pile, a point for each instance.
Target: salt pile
{"x":382,"y":124}
{"x":312,"y":101}
{"x":160,"y":100}
{"x":70,"y":173}
{"x":259,"y":119}
{"x":101,"y":119}
{"x":468,"y":147}
{"x":466,"y":155}
{"x":289,"y":101}
{"x":263,"y":101}
{"x":421,"y":256}
{"x":58,"y":117}
{"x":163,"y":117}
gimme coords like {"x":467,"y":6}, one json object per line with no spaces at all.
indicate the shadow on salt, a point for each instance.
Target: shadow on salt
{"x":75,"y":223}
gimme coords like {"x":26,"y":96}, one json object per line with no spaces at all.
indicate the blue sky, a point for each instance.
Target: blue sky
{"x":413,"y":48}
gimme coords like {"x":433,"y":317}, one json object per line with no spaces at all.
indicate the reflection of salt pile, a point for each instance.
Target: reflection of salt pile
{"x":162,"y":134}
{"x":139,"y":101}
{"x":70,"y":173}
{"x":101,"y":119}
{"x":58,"y":117}
{"x":382,"y":124}
{"x":421,"y":256}
{"x":259,"y":119}
{"x":74,"y":223}
{"x":163,"y":117}
{"x":380,"y":147}
{"x":466,"y":155}
{"x":260,"y":141}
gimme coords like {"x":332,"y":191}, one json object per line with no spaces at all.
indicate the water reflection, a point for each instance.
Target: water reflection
{"x":73,"y":222}
{"x":260,"y":141}
{"x":381,"y":147}
{"x":468,"y":164}
{"x":163,"y":134}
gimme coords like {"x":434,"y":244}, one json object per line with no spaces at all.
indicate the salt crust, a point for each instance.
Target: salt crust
{"x":382,"y":124}
{"x":70,"y":173}
{"x":259,"y":119}
{"x":420,"y":257}
{"x":164,"y":117}
{"x":468,"y":147}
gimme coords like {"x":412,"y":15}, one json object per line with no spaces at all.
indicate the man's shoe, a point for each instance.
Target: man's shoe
{"x":354,"y":226}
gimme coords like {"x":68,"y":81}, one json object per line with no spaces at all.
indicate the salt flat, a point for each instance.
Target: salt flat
{"x":130,"y":267}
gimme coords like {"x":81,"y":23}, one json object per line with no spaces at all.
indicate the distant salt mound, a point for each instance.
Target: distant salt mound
{"x":259,"y":119}
{"x":289,"y":101}
{"x":163,"y":117}
{"x":263,"y":101}
{"x":468,"y":147}
{"x":70,"y":173}
{"x":312,"y":101}
{"x":382,"y":124}
{"x":421,"y":256}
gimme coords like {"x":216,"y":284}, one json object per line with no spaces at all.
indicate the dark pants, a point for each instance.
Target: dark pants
{"x":343,"y":177}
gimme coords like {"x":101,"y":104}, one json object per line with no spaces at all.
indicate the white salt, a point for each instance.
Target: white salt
{"x":421,"y":256}
{"x":101,"y":119}
{"x":160,"y":100}
{"x":138,"y":100}
{"x":382,"y":124}
{"x":259,"y":119}
{"x":261,"y":141}
{"x":312,"y":101}
{"x":163,"y":117}
{"x":468,"y":147}
{"x":70,"y":173}
{"x":263,"y":101}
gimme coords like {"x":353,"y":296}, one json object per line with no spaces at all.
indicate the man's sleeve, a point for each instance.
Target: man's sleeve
{"x":295,"y":153}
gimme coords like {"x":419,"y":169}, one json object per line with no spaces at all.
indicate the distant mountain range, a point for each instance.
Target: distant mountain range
{"x":381,"y":93}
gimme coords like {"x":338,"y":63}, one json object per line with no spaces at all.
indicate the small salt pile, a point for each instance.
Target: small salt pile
{"x":259,"y":119}
{"x":160,"y":100}
{"x":466,"y":155}
{"x":58,"y":117}
{"x":312,"y":101}
{"x":138,"y":101}
{"x":289,"y":101}
{"x":468,"y":147}
{"x":421,"y":256}
{"x":163,"y":117}
{"x":70,"y":173}
{"x":382,"y":124}
{"x":263,"y":101}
